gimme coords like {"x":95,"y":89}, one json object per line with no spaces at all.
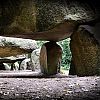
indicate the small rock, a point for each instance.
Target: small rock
{"x":48,"y":96}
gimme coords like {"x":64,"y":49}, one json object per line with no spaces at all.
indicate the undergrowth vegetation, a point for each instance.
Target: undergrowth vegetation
{"x":66,"y":55}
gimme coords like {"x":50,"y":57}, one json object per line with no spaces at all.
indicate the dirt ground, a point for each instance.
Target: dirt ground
{"x":55,"y":88}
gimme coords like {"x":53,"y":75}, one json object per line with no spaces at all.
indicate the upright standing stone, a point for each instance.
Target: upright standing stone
{"x":35,"y":55}
{"x":85,"y":53}
{"x":50,"y":58}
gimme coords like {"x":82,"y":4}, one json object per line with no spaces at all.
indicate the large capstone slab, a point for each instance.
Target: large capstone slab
{"x":16,"y":46}
{"x":40,"y":19}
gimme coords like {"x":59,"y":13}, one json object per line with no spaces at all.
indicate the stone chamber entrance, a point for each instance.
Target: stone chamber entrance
{"x":53,"y":21}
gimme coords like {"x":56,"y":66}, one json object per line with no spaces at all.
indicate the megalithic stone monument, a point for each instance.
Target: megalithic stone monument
{"x":85,"y":53}
{"x":51,"y":20}
{"x":50,"y":58}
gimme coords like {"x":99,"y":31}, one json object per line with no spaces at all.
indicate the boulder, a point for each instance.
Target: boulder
{"x":26,"y":65}
{"x":16,"y":46}
{"x":35,"y":55}
{"x":7,"y":67}
{"x":45,"y":20}
{"x":51,"y":20}
{"x":11,"y":63}
{"x":85,"y":53}
{"x":4,"y":66}
{"x":50,"y":58}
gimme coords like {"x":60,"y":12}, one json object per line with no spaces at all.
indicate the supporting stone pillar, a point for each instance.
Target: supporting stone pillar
{"x":30,"y":65}
{"x":50,"y":58}
{"x":12,"y":66}
{"x":85,"y":53}
{"x":19,"y":62}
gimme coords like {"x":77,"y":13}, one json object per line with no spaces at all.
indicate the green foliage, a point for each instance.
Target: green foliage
{"x":66,"y":56}
{"x":40,"y":43}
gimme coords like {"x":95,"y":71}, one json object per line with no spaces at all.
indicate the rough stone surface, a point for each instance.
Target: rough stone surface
{"x":26,"y":18}
{"x":85,"y":53}
{"x":26,"y":64}
{"x":11,"y":63}
{"x":50,"y":58}
{"x":35,"y":55}
{"x":16,"y":46}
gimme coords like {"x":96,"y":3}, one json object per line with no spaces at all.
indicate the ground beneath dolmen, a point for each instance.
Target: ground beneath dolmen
{"x":55,"y":88}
